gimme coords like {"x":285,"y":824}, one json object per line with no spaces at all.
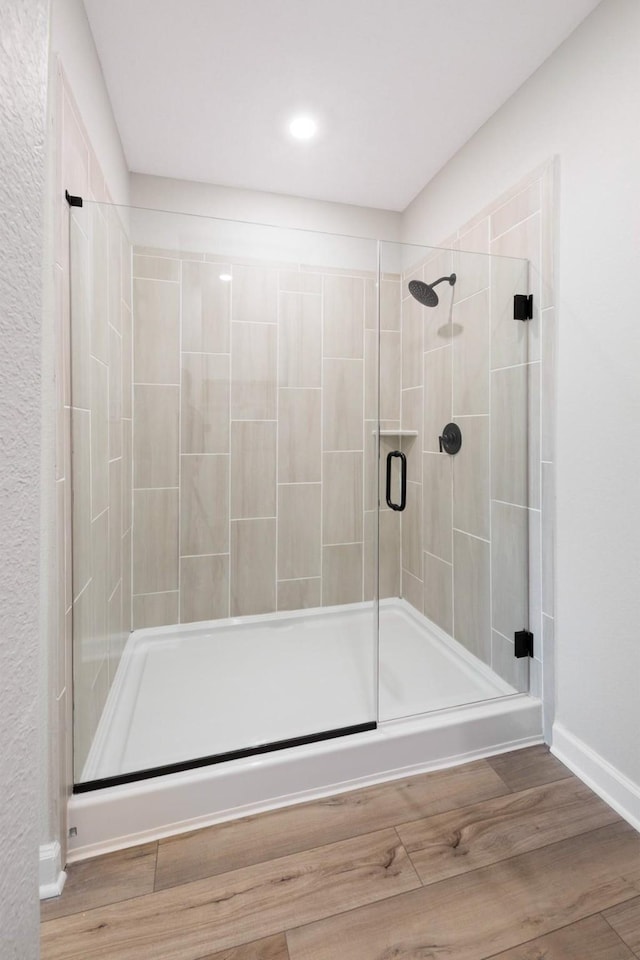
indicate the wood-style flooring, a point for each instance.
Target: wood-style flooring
{"x":511,"y":858}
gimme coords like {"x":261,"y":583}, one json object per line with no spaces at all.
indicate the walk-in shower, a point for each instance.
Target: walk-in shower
{"x":242,"y":395}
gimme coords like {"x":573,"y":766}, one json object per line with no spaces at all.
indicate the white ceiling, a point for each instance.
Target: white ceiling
{"x":204,"y":89}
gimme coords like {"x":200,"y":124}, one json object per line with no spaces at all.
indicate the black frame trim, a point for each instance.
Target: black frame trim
{"x":183,"y":765}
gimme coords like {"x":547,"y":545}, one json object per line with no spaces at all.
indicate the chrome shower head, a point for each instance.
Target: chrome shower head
{"x":424,"y":292}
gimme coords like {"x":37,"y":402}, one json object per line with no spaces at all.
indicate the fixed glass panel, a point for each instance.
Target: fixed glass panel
{"x":454,"y":409}
{"x":224,"y":415}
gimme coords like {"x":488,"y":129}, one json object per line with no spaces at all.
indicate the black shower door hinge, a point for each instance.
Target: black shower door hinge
{"x":523,"y":643}
{"x":71,"y":200}
{"x":523,"y":306}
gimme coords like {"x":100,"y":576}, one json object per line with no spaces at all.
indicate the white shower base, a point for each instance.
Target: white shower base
{"x":439,"y":706}
{"x":206,"y":689}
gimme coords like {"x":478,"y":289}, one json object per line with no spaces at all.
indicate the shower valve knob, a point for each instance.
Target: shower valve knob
{"x":451,"y":439}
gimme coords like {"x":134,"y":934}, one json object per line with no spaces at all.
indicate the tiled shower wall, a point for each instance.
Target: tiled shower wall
{"x":474,"y":522}
{"x":254,"y":457}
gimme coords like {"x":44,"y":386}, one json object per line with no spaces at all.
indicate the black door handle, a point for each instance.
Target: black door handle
{"x":403,"y":480}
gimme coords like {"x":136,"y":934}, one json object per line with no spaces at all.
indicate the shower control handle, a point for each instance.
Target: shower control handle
{"x":451,"y":439}
{"x":403,"y":480}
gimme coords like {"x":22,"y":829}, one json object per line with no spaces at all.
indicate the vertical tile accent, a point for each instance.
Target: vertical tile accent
{"x":252,"y":569}
{"x":437,"y":396}
{"x":413,"y":318}
{"x":300,"y":347}
{"x":341,"y":574}
{"x":509,"y":479}
{"x":253,"y":371}
{"x":509,"y":568}
{"x":471,"y":356}
{"x":255,"y":295}
{"x":298,"y":531}
{"x":342,"y":405}
{"x":155,"y":541}
{"x":253,"y":469}
{"x":437,"y":505}
{"x":155,"y":455}
{"x":389,"y":375}
{"x":205,"y":403}
{"x":342,"y":491}
{"x":343,"y":317}
{"x":204,"y":588}
{"x":157,"y":320}
{"x":204,"y":505}
{"x":471,"y":478}
{"x":471,"y":592}
{"x":206,"y":301}
{"x":438,"y":592}
{"x":299,"y":437}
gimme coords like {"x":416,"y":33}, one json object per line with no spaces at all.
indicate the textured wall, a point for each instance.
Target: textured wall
{"x":23,"y":72}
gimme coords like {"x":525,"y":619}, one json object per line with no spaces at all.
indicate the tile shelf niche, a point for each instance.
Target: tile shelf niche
{"x":397,"y":433}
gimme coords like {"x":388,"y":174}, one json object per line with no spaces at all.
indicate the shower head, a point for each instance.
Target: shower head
{"x":424,"y":292}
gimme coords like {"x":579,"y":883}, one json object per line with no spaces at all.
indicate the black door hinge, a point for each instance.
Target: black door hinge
{"x":523,"y":306}
{"x":71,"y":200}
{"x":523,"y":643}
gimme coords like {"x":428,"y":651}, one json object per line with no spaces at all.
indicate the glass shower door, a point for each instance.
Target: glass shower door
{"x":224,"y":416}
{"x":454,"y":417}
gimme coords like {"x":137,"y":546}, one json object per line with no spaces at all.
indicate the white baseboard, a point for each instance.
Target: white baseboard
{"x":52,"y":876}
{"x":622,"y":794}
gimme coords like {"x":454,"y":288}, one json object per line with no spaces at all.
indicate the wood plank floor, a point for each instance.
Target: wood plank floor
{"x":510,"y":858}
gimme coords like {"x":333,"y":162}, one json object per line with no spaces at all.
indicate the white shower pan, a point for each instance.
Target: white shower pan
{"x":203,"y":690}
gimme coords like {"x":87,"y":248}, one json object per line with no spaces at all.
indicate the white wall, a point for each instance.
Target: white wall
{"x":72,"y":41}
{"x":23,"y":91}
{"x":183,"y":196}
{"x":583,"y":106}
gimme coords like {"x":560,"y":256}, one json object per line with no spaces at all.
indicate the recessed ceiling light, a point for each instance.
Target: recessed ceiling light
{"x":226,"y":277}
{"x":303,"y":128}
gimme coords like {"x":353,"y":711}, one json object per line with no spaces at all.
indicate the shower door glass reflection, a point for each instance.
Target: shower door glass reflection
{"x":455,"y":383}
{"x":224,"y":415}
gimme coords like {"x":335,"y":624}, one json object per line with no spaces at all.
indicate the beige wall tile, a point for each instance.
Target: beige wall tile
{"x":299,"y":436}
{"x":155,"y":610}
{"x":98,"y":283}
{"x":509,"y":441}
{"x":299,"y":594}
{"x":127,"y":361}
{"x":126,"y":583}
{"x":342,"y":400}
{"x":155,"y":541}
{"x":205,"y":403}
{"x":255,"y":295}
{"x":156,"y":332}
{"x":300,"y":347}
{"x":341,"y":574}
{"x":438,"y":592}
{"x":293,"y":281}
{"x":390,"y":309}
{"x":204,"y":505}
{"x":298,"y":531}
{"x":509,"y":567}
{"x":81,"y":485}
{"x":471,"y":593}
{"x":80,"y":320}
{"x":343,"y":317}
{"x":253,"y":371}
{"x":206,"y":301}
{"x":413,"y":590}
{"x":127,"y":474}
{"x":471,"y":356}
{"x":204,"y":588}
{"x":523,"y":205}
{"x":504,"y":663}
{"x":156,"y":268}
{"x":437,"y":320}
{"x":413,"y":321}
{"x":508,"y":336}
{"x":115,"y":394}
{"x":471,"y":478}
{"x":412,"y":531}
{"x":157,"y":419}
{"x":389,"y":554}
{"x":437,"y":396}
{"x":437,"y":504}
{"x":97,"y":644}
{"x":99,"y":479}
{"x":371,"y":375}
{"x":534,"y":374}
{"x":83,"y":676}
{"x":523,"y":241}
{"x":253,"y":469}
{"x":548,"y":384}
{"x":253,"y":567}
{"x":115,"y":524}
{"x":412,"y":413}
{"x":126,"y":264}
{"x":549,"y":206}
{"x":389,"y":375}
{"x":472,"y":270}
{"x":115,"y":270}
{"x":342,"y":492}
{"x":117,"y":637}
